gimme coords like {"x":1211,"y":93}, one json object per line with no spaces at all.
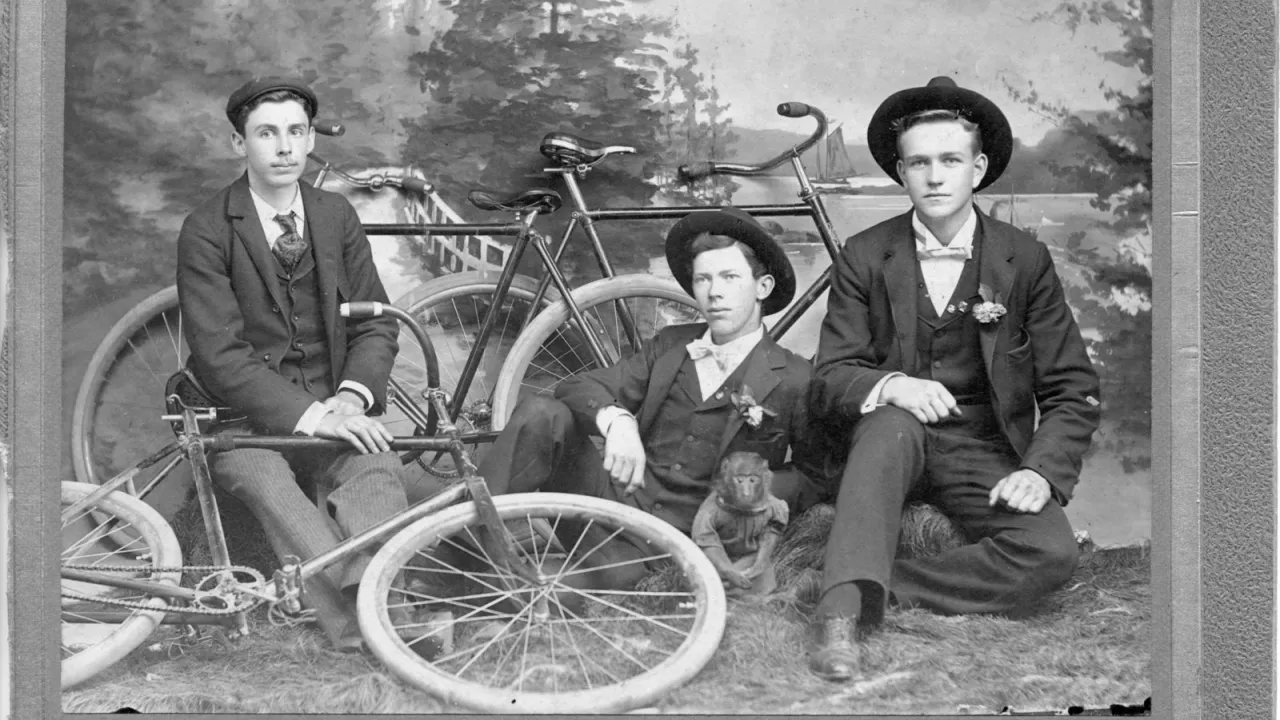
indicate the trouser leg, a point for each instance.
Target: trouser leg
{"x":264,"y":481}
{"x":885,"y":462}
{"x":543,"y":448}
{"x":1013,"y":559}
{"x":369,"y":489}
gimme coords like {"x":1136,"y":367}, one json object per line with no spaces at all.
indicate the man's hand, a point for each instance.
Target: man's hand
{"x":624,"y":454}
{"x":365,"y":434}
{"x":1024,"y":491}
{"x":928,"y":400}
{"x":345,"y":403}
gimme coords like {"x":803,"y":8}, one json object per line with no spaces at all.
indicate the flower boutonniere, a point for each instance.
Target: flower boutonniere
{"x":750,"y":411}
{"x":989,"y":310}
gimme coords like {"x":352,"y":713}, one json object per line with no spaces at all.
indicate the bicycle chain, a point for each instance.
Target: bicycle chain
{"x":142,"y":605}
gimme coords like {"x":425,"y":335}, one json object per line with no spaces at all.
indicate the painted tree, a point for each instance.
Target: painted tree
{"x":1111,"y":156}
{"x":146,"y":138}
{"x":506,"y":72}
{"x":696,"y":128}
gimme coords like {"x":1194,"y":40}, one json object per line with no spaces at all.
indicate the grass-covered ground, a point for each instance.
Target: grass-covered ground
{"x":1085,"y":645}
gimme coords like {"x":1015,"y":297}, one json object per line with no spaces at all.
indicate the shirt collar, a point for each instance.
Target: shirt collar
{"x":267,"y":214}
{"x":963,"y":238}
{"x":740,"y":346}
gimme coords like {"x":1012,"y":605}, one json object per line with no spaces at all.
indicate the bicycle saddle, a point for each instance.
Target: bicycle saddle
{"x":569,"y":149}
{"x":541,"y":200}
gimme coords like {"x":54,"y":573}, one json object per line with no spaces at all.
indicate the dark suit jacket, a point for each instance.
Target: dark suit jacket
{"x":778,"y":378}
{"x":1034,"y":355}
{"x":230,"y":299}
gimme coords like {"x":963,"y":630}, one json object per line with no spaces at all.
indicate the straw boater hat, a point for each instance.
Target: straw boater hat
{"x":258,"y":87}
{"x":734,"y":223}
{"x":941,"y":93}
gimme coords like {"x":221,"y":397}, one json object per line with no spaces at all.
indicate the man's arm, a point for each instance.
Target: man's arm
{"x":371,"y":342}
{"x":1066,"y":383}
{"x":622,"y":384}
{"x":214,"y":329}
{"x":845,"y":373}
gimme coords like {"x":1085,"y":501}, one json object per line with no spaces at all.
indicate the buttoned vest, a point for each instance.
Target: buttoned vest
{"x":306,"y":362}
{"x":684,"y":441}
{"x":948,"y":348}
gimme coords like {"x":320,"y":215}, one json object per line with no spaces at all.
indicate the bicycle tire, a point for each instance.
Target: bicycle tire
{"x":123,"y":385}
{"x":513,"y":378}
{"x":468,"y":295}
{"x":162,"y":550}
{"x":695,"y":612}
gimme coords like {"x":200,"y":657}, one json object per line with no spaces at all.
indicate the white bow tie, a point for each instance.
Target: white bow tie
{"x":924,"y":253}
{"x":701,"y":348}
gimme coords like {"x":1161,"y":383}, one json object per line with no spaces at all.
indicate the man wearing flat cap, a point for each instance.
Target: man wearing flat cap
{"x":667,"y":414}
{"x":950,"y":351}
{"x":262,"y":267}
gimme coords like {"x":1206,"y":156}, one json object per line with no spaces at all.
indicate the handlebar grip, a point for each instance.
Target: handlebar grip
{"x":332,"y":128}
{"x":793,"y":109}
{"x":696,"y":170}
{"x":361,"y":309}
{"x":417,"y":185}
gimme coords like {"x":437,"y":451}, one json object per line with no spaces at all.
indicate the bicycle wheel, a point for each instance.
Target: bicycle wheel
{"x":92,"y":642}
{"x":546,"y":354}
{"x":116,"y":417}
{"x":451,"y":309}
{"x":503,"y":644}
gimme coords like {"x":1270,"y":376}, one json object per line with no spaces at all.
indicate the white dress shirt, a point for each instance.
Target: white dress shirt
{"x":310,"y":419}
{"x":712,"y":369}
{"x":941,"y":275}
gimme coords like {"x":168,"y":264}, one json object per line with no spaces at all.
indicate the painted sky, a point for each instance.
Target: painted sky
{"x":846,"y":56}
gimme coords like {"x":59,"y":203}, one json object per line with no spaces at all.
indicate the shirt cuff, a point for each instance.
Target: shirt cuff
{"x":607,"y":415}
{"x":358,"y":389}
{"x":310,"y":419}
{"x":873,"y":398}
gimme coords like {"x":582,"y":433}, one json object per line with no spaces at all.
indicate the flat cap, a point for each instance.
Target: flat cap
{"x":258,"y":87}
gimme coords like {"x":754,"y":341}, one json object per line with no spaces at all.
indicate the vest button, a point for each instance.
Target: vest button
{"x":937,"y":363}
{"x":297,"y":317}
{"x":720,"y":395}
{"x":267,"y":357}
{"x":690,"y":438}
{"x":676,"y":466}
{"x":297,"y":344}
{"x":275,"y":309}
{"x":657,"y":506}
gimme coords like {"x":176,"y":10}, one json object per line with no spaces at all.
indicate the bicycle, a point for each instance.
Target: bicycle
{"x":502,"y":594}
{"x":113,"y":422}
{"x":542,"y":339}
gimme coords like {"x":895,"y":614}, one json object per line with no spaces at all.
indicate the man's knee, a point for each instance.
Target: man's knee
{"x":888,"y":424}
{"x":252,"y":474}
{"x":1048,"y":559}
{"x":540,"y":411}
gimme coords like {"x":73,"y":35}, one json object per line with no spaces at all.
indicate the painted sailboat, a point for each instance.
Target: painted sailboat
{"x":834,"y":167}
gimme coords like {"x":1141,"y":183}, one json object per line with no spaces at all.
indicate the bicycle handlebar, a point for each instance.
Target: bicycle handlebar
{"x":332,"y":128}
{"x":697,"y":170}
{"x":376,"y":181}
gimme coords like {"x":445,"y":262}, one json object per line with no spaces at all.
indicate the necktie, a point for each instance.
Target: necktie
{"x":944,"y":252}
{"x":701,"y":348}
{"x":289,"y":246}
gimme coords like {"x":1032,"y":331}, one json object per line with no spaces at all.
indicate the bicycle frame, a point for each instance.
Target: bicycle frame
{"x":811,"y":205}
{"x":525,"y":236}
{"x":289,"y":579}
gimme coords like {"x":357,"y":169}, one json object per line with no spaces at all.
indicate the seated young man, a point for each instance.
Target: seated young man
{"x":665,"y":414}
{"x":262,"y":268}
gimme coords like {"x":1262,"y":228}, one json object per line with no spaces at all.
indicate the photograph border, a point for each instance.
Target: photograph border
{"x":1213,"y":353}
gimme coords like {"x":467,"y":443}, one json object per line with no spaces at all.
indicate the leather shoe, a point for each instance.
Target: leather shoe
{"x":835,"y":654}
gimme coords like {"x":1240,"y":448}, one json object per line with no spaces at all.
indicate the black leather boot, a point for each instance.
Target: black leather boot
{"x":834,"y":654}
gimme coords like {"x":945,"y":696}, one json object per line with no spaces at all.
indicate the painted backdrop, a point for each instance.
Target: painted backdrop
{"x":463,"y":90}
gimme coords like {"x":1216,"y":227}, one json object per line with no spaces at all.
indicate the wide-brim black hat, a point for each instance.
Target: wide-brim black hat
{"x":941,"y":93}
{"x":734,"y":223}
{"x":258,"y":87}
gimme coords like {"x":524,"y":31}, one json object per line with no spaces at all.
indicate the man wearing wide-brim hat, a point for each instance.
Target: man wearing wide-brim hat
{"x":670,"y":412}
{"x":946,"y":332}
